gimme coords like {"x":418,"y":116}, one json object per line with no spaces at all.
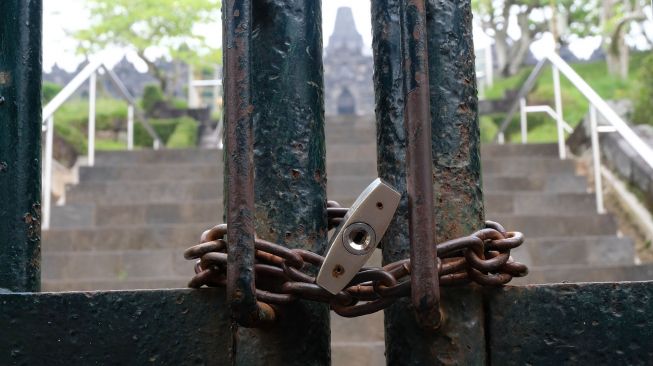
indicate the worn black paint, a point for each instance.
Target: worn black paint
{"x":571,"y":324}
{"x":290,"y":173}
{"x":456,"y":167}
{"x":159,"y":327}
{"x":454,"y":106}
{"x":20,"y":145}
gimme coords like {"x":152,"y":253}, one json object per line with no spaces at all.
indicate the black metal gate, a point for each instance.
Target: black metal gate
{"x":424,"y":80}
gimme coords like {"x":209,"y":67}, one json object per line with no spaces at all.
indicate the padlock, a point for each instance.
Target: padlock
{"x":357,"y":236}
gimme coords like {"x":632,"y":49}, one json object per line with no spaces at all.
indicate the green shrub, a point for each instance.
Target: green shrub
{"x":163,"y":127}
{"x":50,"y":90}
{"x":488,"y":129}
{"x":643,"y":100}
{"x":185,"y":134}
{"x":179,"y":104}
{"x":178,"y":132}
{"x":152,"y":94}
{"x":72,"y":136}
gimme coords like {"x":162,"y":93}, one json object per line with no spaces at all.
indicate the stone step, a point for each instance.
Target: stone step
{"x":581,"y":273}
{"x":168,"y":236}
{"x":110,"y":214}
{"x":151,"y":172}
{"x":162,"y":156}
{"x":343,"y":187}
{"x":191,"y":172}
{"x":119,"y":192}
{"x":577,"y":250}
{"x":358,"y":353}
{"x":562,"y":204}
{"x":91,"y":215}
{"x":363,"y":138}
{"x":559,"y":226}
{"x":116,"y":265}
{"x":335,"y":169}
{"x":110,"y":284}
{"x":519,"y":150}
{"x":558,"y":183}
{"x":525,"y":166}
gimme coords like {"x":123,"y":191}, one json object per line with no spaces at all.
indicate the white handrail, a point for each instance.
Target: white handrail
{"x":604,"y":109}
{"x":597,"y":105}
{"x":88,"y":73}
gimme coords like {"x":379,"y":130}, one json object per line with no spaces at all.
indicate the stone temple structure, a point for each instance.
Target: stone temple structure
{"x":347,"y":71}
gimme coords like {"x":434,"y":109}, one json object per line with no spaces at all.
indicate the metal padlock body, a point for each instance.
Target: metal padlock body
{"x":358,"y":235}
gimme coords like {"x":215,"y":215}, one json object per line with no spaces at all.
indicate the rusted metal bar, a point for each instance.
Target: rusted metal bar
{"x":458,"y":204}
{"x":20,"y":145}
{"x":290,"y":169}
{"x":425,"y":293}
{"x":239,"y":180}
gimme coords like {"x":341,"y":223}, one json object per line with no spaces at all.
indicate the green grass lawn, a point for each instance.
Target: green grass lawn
{"x":575,"y":106}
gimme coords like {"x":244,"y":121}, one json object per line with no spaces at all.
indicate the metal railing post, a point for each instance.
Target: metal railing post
{"x":20,"y":145}
{"x":47,"y":173}
{"x":130,"y":127}
{"x":562,"y":150}
{"x":92,"y":90}
{"x":596,"y":160}
{"x":523,"y":119}
{"x":501,"y":138}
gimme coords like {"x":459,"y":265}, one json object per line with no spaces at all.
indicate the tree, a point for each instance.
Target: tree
{"x":495,"y":16}
{"x":166,"y":25}
{"x":616,"y":18}
{"x":562,"y":18}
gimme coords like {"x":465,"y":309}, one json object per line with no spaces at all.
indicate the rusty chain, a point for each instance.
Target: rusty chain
{"x":283,"y":275}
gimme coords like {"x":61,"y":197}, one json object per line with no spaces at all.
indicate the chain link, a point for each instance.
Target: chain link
{"x":284,"y":275}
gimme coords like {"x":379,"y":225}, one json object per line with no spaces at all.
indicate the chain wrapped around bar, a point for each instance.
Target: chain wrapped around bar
{"x":281,"y":277}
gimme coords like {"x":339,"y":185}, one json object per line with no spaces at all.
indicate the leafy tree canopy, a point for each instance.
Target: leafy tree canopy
{"x":166,"y":25}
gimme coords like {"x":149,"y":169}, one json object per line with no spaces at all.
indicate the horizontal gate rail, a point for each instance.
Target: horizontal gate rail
{"x":157,"y":327}
{"x":571,"y":324}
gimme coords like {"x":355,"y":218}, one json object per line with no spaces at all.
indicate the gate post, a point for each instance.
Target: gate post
{"x":20,"y":145}
{"x":287,"y":113}
{"x":458,"y":201}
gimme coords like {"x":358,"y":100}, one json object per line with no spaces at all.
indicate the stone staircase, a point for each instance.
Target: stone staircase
{"x":128,"y":220}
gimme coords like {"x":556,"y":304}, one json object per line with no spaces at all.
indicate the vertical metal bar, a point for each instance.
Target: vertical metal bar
{"x":458,"y":201}
{"x":290,"y":168}
{"x":417,"y":122}
{"x":130,"y":127}
{"x":562,"y":150}
{"x":596,"y":160}
{"x":457,"y":183}
{"x":20,"y":145}
{"x":523,"y":119}
{"x":92,"y":95}
{"x":47,"y":174}
{"x":237,"y":23}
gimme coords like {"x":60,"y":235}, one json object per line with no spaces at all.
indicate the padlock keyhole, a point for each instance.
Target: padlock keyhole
{"x":359,"y":239}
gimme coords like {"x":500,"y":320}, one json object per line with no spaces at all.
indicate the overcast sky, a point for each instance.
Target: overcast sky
{"x":64,"y":16}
